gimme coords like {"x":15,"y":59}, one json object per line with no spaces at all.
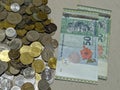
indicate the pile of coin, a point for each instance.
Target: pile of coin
{"x":27,"y":60}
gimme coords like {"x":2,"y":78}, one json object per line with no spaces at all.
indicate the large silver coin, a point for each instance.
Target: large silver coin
{"x":15,"y":7}
{"x":29,"y":72}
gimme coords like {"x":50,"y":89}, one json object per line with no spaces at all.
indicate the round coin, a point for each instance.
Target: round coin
{"x":13,"y":70}
{"x":2,"y":35}
{"x":52,"y":63}
{"x":10,"y":32}
{"x":26,"y":58}
{"x":37,"y":2}
{"x":4,"y":56}
{"x":15,"y":7}
{"x":15,"y":88}
{"x":14,"y":54}
{"x":54,"y":43}
{"x":37,"y":44}
{"x":38,"y":66}
{"x":43,"y":85}
{"x":50,"y":28}
{"x":32,"y":36}
{"x":15,"y":44}
{"x":29,"y":73}
{"x":27,"y":86}
{"x":25,"y":49}
{"x":45,"y":9}
{"x":14,"y":18}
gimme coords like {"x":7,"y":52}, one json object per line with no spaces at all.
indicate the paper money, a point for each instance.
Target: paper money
{"x":103,"y":34}
{"x":77,"y":53}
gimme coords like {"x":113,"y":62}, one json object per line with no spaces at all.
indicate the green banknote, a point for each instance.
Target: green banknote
{"x":103,"y":34}
{"x":78,"y":46}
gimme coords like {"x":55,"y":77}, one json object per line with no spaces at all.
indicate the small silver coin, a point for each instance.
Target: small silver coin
{"x":29,"y":72}
{"x":15,"y":44}
{"x":2,"y":35}
{"x":10,"y":32}
{"x":15,"y":7}
{"x":4,"y":47}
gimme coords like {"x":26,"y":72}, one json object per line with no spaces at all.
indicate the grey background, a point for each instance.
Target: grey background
{"x":113,"y":82}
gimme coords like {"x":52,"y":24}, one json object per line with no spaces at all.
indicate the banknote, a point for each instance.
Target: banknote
{"x":103,"y":34}
{"x":77,"y":52}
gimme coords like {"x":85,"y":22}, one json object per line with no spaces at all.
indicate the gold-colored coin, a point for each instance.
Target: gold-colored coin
{"x":39,"y":25}
{"x":35,"y":51}
{"x":42,"y":15}
{"x":37,"y":77}
{"x":27,"y":86}
{"x":29,"y":27}
{"x":26,"y":58}
{"x":52,"y":63}
{"x":28,"y":9}
{"x":37,"y":44}
{"x":25,"y":49}
{"x":38,"y":66}
{"x":7,"y":7}
{"x":4,"y":56}
{"x":21,"y":32}
{"x":47,"y":22}
{"x":7,"y":24}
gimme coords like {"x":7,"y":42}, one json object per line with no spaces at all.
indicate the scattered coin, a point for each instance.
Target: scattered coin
{"x":32,"y":36}
{"x":29,"y":73}
{"x":10,"y":32}
{"x":27,"y":86}
{"x":15,"y":88}
{"x":52,"y":62}
{"x":38,"y":66}
{"x":15,"y":7}
{"x":37,"y":44}
{"x":14,"y":54}
{"x":50,"y":28}
{"x":4,"y":56}
{"x":43,"y":85}
{"x":26,"y":58}
{"x":14,"y":18}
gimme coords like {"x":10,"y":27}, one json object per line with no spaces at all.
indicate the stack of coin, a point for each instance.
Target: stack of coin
{"x":26,"y":45}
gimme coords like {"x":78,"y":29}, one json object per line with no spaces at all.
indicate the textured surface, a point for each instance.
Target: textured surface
{"x":113,"y":82}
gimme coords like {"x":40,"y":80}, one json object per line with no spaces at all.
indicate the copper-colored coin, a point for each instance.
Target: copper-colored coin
{"x":26,"y":58}
{"x":14,"y":54}
{"x":52,"y":62}
{"x":38,"y":66}
{"x":32,"y":36}
{"x":50,"y":28}
{"x":14,"y":18}
{"x":27,"y":86}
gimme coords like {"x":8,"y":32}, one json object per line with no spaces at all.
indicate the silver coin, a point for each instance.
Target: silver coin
{"x":15,"y":7}
{"x":2,"y":35}
{"x":10,"y":32}
{"x":46,"y":74}
{"x":32,"y":80}
{"x":15,"y":44}
{"x":4,"y":47}
{"x":29,"y":72}
{"x":15,"y":88}
{"x":3,"y":67}
{"x":43,"y":85}
{"x":19,"y":80}
{"x":6,"y":84}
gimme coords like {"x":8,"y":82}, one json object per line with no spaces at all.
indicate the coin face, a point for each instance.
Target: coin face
{"x":4,"y":56}
{"x":37,"y":44}
{"x":10,"y":32}
{"x":27,"y":86}
{"x":29,"y":73}
{"x":14,"y":54}
{"x":43,"y":85}
{"x":15,"y":7}
{"x":38,"y":66}
{"x":26,"y":58}
{"x":32,"y":36}
{"x":50,"y":28}
{"x":14,"y":18}
{"x":52,"y":62}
